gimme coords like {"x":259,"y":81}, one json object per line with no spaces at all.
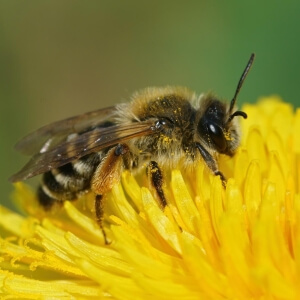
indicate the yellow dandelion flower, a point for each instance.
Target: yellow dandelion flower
{"x":209,"y":243}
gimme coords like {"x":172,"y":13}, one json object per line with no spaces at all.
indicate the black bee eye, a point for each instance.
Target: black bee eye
{"x":217,"y":136}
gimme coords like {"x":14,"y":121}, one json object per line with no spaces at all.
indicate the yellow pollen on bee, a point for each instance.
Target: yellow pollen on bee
{"x":227,"y":136}
{"x":167,"y":139}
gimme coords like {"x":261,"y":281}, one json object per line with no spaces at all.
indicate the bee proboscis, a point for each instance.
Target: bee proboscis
{"x":159,"y":126}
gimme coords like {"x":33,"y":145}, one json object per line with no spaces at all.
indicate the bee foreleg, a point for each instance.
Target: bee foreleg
{"x":107,"y":174}
{"x":211,"y":162}
{"x":156,"y":177}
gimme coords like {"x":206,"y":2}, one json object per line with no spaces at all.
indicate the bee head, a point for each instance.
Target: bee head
{"x":217,"y":126}
{"x":216,"y":123}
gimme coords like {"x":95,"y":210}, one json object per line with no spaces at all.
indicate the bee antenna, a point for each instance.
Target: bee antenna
{"x":240,"y":84}
{"x":237,"y":113}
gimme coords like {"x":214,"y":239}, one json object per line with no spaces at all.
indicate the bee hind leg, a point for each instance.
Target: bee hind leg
{"x":156,"y":178}
{"x":107,"y":174}
{"x":99,"y":216}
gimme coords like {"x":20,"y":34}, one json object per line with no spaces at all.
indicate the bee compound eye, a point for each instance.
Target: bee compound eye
{"x":217,"y":136}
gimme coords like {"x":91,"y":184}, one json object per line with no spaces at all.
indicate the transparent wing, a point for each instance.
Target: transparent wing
{"x":47,"y":137}
{"x":82,"y":145}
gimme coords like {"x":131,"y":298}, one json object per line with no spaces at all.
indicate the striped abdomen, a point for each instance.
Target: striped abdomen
{"x":68,"y":181}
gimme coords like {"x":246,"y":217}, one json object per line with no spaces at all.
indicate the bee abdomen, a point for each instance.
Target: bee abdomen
{"x":69,"y":181}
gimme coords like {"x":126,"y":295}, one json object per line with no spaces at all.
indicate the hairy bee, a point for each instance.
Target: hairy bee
{"x":160,"y":127}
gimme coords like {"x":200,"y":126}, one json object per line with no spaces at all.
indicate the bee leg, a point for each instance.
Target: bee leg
{"x":211,"y":163}
{"x":99,"y":215}
{"x":156,"y":178}
{"x":107,"y":174}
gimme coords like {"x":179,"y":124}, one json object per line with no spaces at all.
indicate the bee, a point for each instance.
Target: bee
{"x":160,"y":127}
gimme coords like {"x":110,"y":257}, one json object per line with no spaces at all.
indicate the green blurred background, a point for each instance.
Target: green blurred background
{"x":60,"y":58}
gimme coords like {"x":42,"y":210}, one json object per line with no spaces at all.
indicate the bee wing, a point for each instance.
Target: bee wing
{"x":82,"y":145}
{"x":51,"y":135}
